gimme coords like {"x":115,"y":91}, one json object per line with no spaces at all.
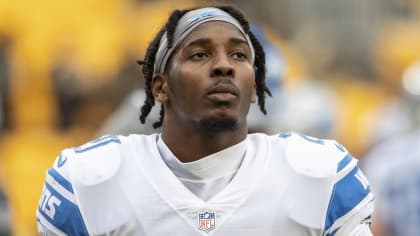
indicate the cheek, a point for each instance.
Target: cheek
{"x":183,"y":83}
{"x":175,"y":78}
{"x":249,"y":82}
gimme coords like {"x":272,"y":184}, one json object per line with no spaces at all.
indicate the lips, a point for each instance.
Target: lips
{"x":223,"y":88}
{"x":222,"y":93}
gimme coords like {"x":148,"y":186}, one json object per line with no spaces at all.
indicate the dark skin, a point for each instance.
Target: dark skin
{"x":206,"y":92}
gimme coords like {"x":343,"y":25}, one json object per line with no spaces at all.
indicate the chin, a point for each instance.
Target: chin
{"x":218,"y":124}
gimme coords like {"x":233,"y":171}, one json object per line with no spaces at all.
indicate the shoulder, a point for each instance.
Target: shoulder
{"x":94,"y":163}
{"x":314,"y":157}
{"x":58,"y":210}
{"x":325,"y":170}
{"x":98,"y":160}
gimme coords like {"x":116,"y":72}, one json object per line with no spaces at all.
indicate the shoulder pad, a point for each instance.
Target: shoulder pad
{"x":317,"y":158}
{"x":95,"y":161}
{"x":314,"y":164}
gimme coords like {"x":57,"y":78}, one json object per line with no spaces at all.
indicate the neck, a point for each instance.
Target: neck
{"x":190,"y":143}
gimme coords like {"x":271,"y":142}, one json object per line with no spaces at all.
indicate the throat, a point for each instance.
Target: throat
{"x":193,"y":140}
{"x":193,"y":147}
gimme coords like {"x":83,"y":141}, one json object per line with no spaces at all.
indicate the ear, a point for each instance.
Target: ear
{"x":160,"y":88}
{"x":254,"y":94}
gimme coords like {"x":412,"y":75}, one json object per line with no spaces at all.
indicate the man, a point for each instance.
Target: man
{"x":203,"y":174}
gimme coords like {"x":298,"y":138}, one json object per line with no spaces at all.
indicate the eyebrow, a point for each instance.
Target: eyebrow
{"x":238,"y":41}
{"x":207,"y":41}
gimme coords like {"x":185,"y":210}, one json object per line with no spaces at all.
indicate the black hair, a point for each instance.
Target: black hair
{"x":169,"y":28}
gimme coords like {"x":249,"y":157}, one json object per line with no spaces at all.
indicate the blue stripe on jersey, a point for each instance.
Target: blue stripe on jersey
{"x":343,"y":163}
{"x":61,"y":213}
{"x":60,"y":179}
{"x":97,"y":143}
{"x":333,"y":232}
{"x":61,"y":160}
{"x":285,"y":135}
{"x":340,"y":147}
{"x":347,"y":194}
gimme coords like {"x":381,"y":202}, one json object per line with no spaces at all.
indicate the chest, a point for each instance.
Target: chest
{"x":262,"y":204}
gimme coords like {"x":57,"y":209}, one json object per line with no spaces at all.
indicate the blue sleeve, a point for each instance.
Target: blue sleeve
{"x":350,"y":194}
{"x":58,"y":210}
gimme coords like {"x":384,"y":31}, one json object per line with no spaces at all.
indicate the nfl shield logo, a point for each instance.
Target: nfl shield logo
{"x":206,"y":220}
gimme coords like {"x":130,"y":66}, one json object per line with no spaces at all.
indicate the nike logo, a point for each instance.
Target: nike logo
{"x":61,"y":160}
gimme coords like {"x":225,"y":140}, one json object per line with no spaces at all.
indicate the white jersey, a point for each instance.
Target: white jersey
{"x":287,"y":184}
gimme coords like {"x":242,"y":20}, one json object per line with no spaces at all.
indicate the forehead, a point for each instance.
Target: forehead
{"x":214,"y":30}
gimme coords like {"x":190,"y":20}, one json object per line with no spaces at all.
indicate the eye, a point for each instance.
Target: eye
{"x":197,"y":56}
{"x":239,"y":55}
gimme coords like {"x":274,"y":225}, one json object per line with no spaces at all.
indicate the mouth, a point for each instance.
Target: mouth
{"x":222,"y":93}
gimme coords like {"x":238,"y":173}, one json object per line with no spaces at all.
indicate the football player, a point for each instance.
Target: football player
{"x":203,"y":174}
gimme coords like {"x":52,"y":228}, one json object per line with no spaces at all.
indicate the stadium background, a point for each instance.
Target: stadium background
{"x":66,"y":66}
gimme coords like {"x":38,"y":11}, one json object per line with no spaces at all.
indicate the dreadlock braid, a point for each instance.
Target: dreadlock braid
{"x":260,"y":71}
{"x":169,"y":28}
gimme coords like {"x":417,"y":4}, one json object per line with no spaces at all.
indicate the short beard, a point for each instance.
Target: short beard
{"x":214,"y":125}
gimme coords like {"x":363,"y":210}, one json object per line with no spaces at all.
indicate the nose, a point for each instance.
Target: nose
{"x":222,"y":67}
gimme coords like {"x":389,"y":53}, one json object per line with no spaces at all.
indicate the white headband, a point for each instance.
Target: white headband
{"x":186,"y":24}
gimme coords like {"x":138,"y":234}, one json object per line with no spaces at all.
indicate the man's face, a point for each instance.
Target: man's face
{"x":211,"y":79}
